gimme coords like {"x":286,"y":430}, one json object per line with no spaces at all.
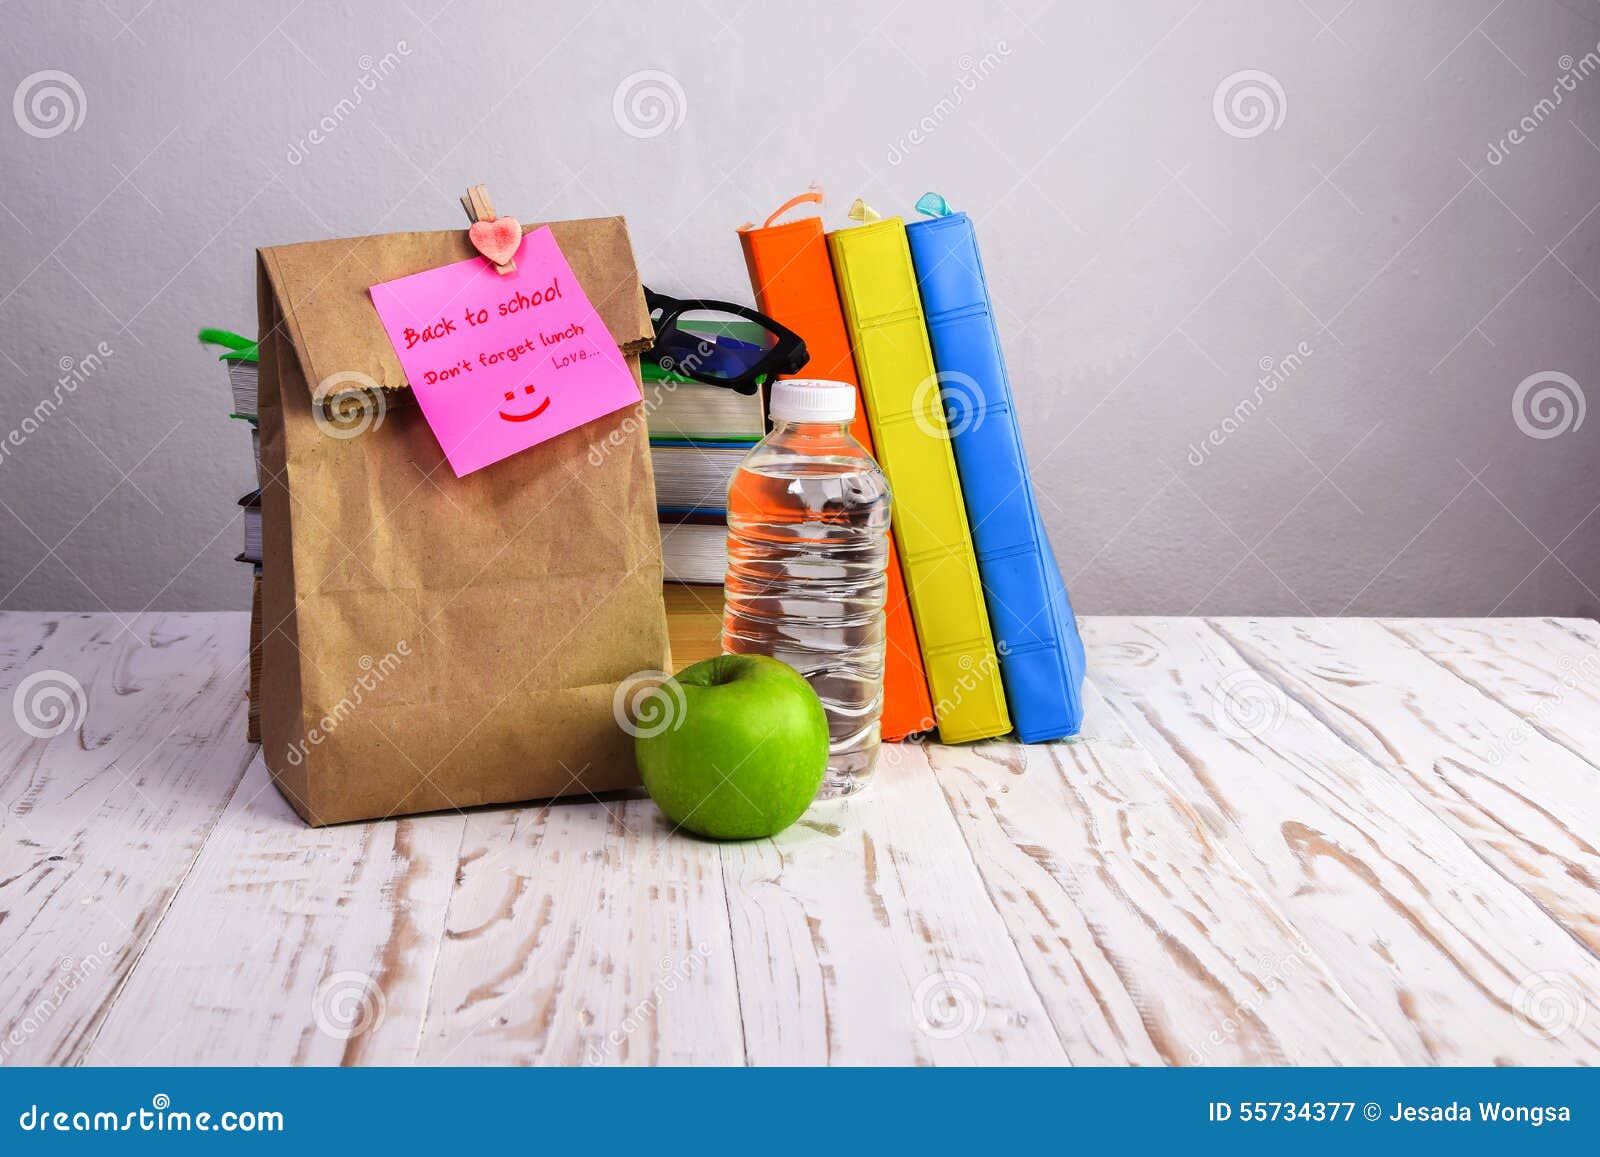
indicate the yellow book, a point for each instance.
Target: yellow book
{"x":883,"y":312}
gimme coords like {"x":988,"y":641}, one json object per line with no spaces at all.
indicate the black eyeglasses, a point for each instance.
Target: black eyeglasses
{"x":720,"y":343}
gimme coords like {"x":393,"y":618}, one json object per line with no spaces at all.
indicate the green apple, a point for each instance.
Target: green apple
{"x":738,"y":750}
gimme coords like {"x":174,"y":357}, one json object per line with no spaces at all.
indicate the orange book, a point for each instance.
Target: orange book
{"x":792,"y":277}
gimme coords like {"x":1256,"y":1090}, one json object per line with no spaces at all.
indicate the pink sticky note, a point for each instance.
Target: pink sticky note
{"x":501,"y":363}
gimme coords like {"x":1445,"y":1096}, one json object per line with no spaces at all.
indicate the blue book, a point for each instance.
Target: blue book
{"x":1036,"y":635}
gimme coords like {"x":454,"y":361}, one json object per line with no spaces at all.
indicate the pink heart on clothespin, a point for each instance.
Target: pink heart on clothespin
{"x":498,"y":240}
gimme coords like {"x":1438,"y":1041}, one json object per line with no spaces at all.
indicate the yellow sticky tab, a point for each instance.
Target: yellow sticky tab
{"x":863,"y":212}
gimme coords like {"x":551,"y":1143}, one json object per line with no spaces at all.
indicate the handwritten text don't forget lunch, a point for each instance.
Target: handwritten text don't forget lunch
{"x":473,"y":316}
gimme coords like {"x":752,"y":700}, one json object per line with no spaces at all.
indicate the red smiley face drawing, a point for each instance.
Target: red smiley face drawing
{"x":533,"y":413}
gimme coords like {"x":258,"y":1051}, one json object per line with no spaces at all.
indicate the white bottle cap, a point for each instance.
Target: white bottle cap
{"x":811,"y":400}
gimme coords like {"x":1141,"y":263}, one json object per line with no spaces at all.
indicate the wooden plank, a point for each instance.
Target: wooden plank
{"x":290,"y":944}
{"x":1146,"y":940}
{"x":1436,"y":947}
{"x":1527,"y":803}
{"x":1545,"y":671}
{"x":584,"y":932}
{"x":864,"y":935}
{"x":101,"y":822}
{"x":1353,"y":842}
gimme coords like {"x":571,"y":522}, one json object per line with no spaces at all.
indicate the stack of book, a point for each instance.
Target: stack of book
{"x":244,"y":375}
{"x":982,"y":637}
{"x":698,"y":435}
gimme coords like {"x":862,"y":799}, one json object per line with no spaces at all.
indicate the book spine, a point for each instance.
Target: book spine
{"x":1015,"y":562}
{"x":883,"y":314}
{"x":791,"y":275}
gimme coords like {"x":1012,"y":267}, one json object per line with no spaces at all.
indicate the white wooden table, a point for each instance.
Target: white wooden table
{"x":1350,"y":841}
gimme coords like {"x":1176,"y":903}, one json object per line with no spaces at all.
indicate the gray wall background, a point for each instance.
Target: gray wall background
{"x":1152,"y":245}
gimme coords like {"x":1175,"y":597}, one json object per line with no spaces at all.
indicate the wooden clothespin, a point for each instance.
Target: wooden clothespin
{"x":497,"y":238}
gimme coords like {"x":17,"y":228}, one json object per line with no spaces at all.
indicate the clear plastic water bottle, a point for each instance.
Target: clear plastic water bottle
{"x":808,"y":543}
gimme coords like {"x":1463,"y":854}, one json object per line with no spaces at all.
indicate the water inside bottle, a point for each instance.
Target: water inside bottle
{"x":808,"y":527}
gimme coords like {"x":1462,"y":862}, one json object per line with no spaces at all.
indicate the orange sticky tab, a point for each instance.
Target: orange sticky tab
{"x":811,"y":196}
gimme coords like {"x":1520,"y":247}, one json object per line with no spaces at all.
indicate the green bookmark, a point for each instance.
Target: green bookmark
{"x":239,"y":348}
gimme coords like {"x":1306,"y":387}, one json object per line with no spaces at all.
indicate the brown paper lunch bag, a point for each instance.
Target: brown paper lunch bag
{"x":429,"y":641}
